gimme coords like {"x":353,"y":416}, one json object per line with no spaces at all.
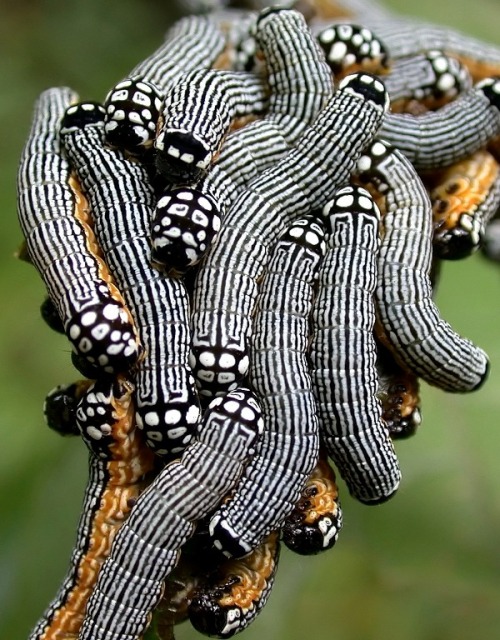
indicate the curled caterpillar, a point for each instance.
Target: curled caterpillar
{"x":315,"y":523}
{"x":233,"y":596}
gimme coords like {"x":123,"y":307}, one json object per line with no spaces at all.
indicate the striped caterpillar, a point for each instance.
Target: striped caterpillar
{"x":464,"y":198}
{"x":61,"y":244}
{"x":407,"y":37}
{"x":279,"y":375}
{"x":196,"y":116}
{"x":147,"y":547}
{"x":116,"y":477}
{"x":421,"y":339}
{"x":315,"y":523}
{"x":122,"y":201}
{"x":133,"y":106}
{"x":226,"y":283}
{"x":439,"y":138}
{"x":343,"y":352}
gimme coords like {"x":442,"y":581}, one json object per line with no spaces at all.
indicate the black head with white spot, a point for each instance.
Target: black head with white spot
{"x":185,"y":223}
{"x":351,"y":47}
{"x":104,"y":335}
{"x":351,"y":200}
{"x":81,"y":115}
{"x":180,"y":156}
{"x":490,"y":87}
{"x":132,"y":113}
{"x":367,"y":87}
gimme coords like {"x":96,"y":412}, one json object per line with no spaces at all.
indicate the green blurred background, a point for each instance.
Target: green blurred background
{"x":425,"y":566}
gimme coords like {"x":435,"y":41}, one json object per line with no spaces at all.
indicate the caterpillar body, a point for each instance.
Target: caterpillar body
{"x":115,"y":480}
{"x":439,"y":138}
{"x":315,"y":523}
{"x":464,"y":198}
{"x":422,"y":341}
{"x":399,"y":394}
{"x":237,"y":592}
{"x":279,"y":375}
{"x":343,"y":353}
{"x":166,"y":404}
{"x":61,"y":244}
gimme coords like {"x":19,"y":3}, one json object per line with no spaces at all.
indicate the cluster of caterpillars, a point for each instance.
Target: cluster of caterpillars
{"x":241,"y":245}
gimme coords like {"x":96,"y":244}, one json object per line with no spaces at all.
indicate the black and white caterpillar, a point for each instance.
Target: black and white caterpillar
{"x":306,"y":177}
{"x":420,"y":338}
{"x":279,"y":374}
{"x":343,"y":351}
{"x":60,"y":241}
{"x":147,"y":547}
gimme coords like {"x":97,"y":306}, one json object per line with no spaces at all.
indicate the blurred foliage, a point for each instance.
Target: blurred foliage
{"x":425,"y":566}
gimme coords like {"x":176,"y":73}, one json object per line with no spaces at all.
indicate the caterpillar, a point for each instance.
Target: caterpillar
{"x":236,"y":592}
{"x":439,"y":138}
{"x":122,"y":202}
{"x":350,"y":48}
{"x":425,"y":82}
{"x":226,"y":283}
{"x":465,"y":196}
{"x":279,"y":375}
{"x":133,"y":106}
{"x":299,"y":87}
{"x":423,"y":342}
{"x":197,"y":113}
{"x":116,"y":477}
{"x":147,"y":547}
{"x":343,"y":352}
{"x":316,"y":520}
{"x":55,"y":220}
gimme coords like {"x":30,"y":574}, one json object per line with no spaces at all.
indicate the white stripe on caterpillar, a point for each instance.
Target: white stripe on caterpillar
{"x":343,"y":353}
{"x":122,"y":202}
{"x":147,"y":547}
{"x":61,"y":244}
{"x":422,"y":340}
{"x":279,"y":375}
{"x":299,"y":84}
{"x":196,"y":116}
